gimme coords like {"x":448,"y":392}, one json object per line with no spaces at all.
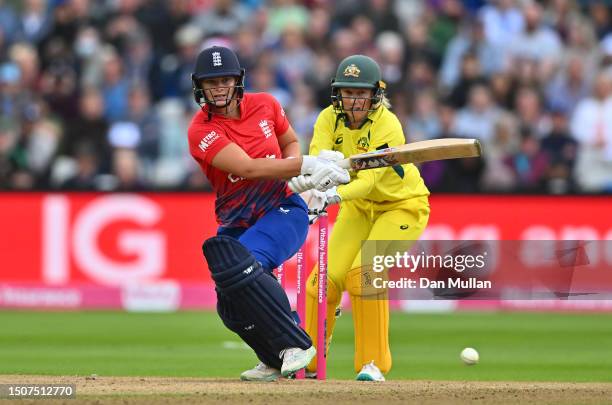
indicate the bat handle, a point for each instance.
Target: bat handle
{"x":344,"y":163}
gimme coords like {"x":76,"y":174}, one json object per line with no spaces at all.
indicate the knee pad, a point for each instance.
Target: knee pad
{"x":370,"y":320}
{"x":312,"y":288}
{"x":230,"y":263}
{"x":360,"y":282}
{"x":254,"y":295}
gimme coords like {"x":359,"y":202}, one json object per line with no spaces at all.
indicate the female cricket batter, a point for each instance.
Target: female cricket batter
{"x":243,"y":143}
{"x":381,"y":204}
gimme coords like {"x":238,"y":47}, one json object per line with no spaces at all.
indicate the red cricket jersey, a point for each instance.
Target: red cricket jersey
{"x":241,"y":202}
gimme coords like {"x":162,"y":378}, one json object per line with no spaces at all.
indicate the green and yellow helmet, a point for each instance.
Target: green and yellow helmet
{"x":361,"y":72}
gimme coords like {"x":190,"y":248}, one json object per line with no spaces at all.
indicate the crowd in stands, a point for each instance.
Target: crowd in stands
{"x":97,"y":94}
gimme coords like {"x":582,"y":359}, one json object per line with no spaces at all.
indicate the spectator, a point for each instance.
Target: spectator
{"x":529,"y":164}
{"x":303,"y":114}
{"x":248,"y":47}
{"x":569,"y":86}
{"x":470,"y":76}
{"x":8,"y":24}
{"x":498,"y":176}
{"x":478,"y":118}
{"x":147,"y":120}
{"x":445,"y":25}
{"x":318,"y":77}
{"x":262,"y":80}
{"x":502,"y":21}
{"x":390,"y":48}
{"x":559,"y":15}
{"x":28,"y":61}
{"x":58,"y":86}
{"x":12,"y":156}
{"x":174,"y":71}
{"x":87,"y":170}
{"x":591,"y":126}
{"x":363,"y":34}
{"x":343,"y":44}
{"x":417,"y":46}
{"x":88,"y":127}
{"x":530,"y":113}
{"x":126,"y":171}
{"x":561,"y":150}
{"x":581,"y":41}
{"x":35,"y":22}
{"x":318,"y":32}
{"x":382,"y":16}
{"x":41,"y":146}
{"x":423,"y":123}
{"x":88,"y":56}
{"x":15,"y":101}
{"x":600,"y":18}
{"x":115,"y":86}
{"x":537,"y":42}
{"x":502,"y":90}
{"x":285,"y":13}
{"x":77,"y":75}
{"x":293,"y":57}
{"x":171,"y":16}
{"x":470,"y":39}
{"x":138,"y":58}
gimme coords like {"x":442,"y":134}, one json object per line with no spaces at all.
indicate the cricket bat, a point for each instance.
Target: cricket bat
{"x":415,"y":152}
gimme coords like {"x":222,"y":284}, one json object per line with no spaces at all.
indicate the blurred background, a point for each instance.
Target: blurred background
{"x":96,"y":94}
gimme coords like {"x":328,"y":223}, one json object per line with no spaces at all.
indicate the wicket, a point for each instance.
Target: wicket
{"x":301,"y":267}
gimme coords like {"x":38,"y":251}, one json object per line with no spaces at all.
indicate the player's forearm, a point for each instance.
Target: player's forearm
{"x":358,"y":188}
{"x":262,"y":169}
{"x":292,"y":149}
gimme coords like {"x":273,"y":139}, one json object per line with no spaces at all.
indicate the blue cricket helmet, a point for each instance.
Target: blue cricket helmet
{"x":216,"y":61}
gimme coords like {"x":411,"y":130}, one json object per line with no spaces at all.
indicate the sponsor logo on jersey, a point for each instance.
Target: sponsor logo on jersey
{"x":404,"y":227}
{"x":208,"y":140}
{"x":352,"y":70}
{"x":265,"y":128}
{"x":339,"y":140}
{"x":216,"y":56}
{"x":283,"y":210}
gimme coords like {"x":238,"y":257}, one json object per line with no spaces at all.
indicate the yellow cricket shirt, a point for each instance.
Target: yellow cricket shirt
{"x":381,"y":130}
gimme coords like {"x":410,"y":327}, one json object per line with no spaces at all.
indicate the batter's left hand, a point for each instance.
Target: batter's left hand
{"x":332,"y":196}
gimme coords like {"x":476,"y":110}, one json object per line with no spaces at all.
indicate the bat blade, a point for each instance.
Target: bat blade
{"x":415,"y":152}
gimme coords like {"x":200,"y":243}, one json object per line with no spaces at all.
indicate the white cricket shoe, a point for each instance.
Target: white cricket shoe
{"x":261,"y":372}
{"x":295,"y":359}
{"x":370,"y":372}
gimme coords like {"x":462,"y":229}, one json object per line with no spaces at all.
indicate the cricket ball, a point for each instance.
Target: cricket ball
{"x":469,"y":356}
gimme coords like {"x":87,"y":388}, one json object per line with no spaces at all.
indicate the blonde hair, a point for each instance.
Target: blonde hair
{"x":384,"y":101}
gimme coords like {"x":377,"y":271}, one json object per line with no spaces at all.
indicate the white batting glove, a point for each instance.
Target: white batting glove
{"x":328,"y":176}
{"x":332,"y":196}
{"x":331,"y":155}
{"x":316,"y":201}
{"x":311,"y":163}
{"x":300,"y":184}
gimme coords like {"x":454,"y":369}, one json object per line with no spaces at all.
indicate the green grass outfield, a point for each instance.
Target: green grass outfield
{"x":512,"y":346}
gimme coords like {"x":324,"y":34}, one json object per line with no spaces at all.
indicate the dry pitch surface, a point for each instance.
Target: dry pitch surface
{"x":157,"y":390}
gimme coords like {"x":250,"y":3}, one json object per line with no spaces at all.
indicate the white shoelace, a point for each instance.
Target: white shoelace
{"x":261,"y":366}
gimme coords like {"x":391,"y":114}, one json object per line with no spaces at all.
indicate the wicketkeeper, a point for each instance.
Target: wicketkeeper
{"x":381,"y":204}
